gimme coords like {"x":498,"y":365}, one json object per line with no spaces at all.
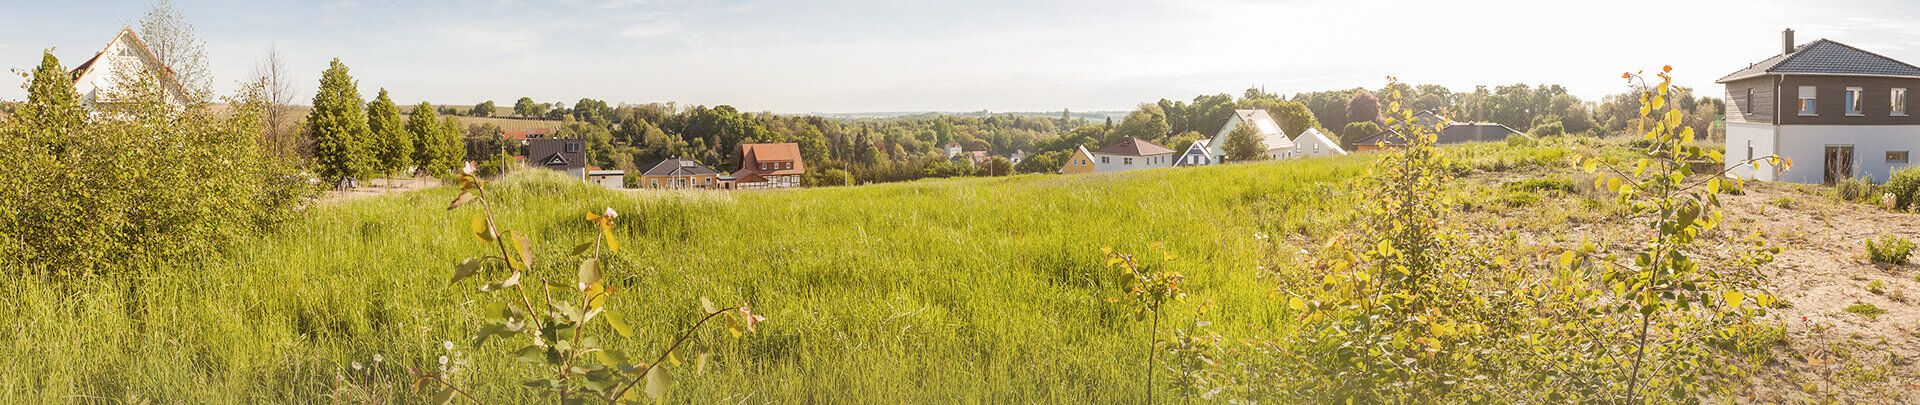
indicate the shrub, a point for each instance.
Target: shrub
{"x":1905,"y":187}
{"x":1858,"y":189}
{"x":1889,"y":249}
{"x":1551,"y":183}
{"x":1877,"y":287}
{"x":1869,"y":311}
{"x":1782,"y":202}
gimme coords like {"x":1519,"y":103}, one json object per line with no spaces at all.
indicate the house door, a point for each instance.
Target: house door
{"x":1839,"y":163}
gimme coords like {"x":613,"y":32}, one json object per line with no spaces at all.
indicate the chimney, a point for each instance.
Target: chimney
{"x":1786,"y":41}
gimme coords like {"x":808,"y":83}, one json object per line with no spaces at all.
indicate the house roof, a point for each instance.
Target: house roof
{"x":1200,"y":144}
{"x":678,"y":167}
{"x":1134,"y":147}
{"x":753,"y":153}
{"x":1270,"y":132}
{"x":1827,"y":57}
{"x":1316,"y":135}
{"x":167,"y":75}
{"x":744,"y":176}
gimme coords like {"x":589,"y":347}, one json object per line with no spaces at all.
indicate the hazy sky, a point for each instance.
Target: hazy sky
{"x":1001,"y":55}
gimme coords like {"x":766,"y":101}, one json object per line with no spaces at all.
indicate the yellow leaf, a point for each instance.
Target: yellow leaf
{"x":1590,"y":166}
{"x":1567,"y":258}
{"x":1733,"y":297}
{"x":480,"y":227}
{"x":1297,"y":304}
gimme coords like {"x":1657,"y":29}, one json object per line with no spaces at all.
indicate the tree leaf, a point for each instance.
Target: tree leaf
{"x":520,"y":244}
{"x":657,"y":382}
{"x":589,"y":272}
{"x":460,"y":200}
{"x":582,"y":248}
{"x":480,"y":227}
{"x":466,"y":268}
{"x":619,"y":323}
{"x":445,"y":396}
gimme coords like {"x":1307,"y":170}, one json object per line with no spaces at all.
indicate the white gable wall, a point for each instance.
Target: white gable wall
{"x":1103,"y":163}
{"x":122,"y":59}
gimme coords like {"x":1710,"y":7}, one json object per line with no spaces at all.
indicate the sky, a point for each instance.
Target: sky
{"x":844,"y":56}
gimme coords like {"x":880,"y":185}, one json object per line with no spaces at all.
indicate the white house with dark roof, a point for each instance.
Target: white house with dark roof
{"x":1129,"y":154}
{"x":1837,"y":111}
{"x":1196,"y":155}
{"x":1279,"y":146}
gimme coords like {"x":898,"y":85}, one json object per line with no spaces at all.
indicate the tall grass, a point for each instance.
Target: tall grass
{"x":985,"y":289}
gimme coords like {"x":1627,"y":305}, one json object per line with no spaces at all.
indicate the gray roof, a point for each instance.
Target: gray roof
{"x":1830,"y":58}
{"x":678,"y":167}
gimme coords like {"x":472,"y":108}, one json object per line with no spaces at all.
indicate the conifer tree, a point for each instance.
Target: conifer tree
{"x":423,"y":125}
{"x":396,"y":148}
{"x":338,"y":125}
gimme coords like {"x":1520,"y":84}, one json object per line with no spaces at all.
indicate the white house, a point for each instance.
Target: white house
{"x":1278,"y":145}
{"x":1196,"y":155}
{"x":124,"y":58}
{"x":1312,"y":143}
{"x":1129,"y":154}
{"x":1837,"y":111}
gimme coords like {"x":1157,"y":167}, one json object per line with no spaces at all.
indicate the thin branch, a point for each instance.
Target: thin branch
{"x":648,"y":368}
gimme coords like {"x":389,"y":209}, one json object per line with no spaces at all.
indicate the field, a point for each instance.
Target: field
{"x":982,"y":289}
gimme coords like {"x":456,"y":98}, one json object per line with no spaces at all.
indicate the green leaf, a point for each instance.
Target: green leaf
{"x":460,"y":200}
{"x":589,"y":271}
{"x":526,"y":256}
{"x":1568,"y":258}
{"x":531,"y":355}
{"x":582,"y":248}
{"x":707,"y":304}
{"x":466,"y":268}
{"x":445,"y":396}
{"x":619,"y":323}
{"x":657,"y":382}
{"x":480,"y":227}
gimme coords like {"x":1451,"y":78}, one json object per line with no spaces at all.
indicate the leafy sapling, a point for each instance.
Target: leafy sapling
{"x":556,"y":326}
{"x":1149,"y":288}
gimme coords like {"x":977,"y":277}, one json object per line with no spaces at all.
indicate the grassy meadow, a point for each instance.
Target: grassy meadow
{"x":978,"y":289}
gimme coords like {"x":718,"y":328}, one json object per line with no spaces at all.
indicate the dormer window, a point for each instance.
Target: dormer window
{"x":1899,"y":102}
{"x":1855,"y":97}
{"x":1806,"y":101}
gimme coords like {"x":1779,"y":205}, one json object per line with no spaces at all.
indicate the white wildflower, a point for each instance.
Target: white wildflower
{"x":447,"y":345}
{"x":470,"y":168}
{"x":610,"y":213}
{"x":443,"y":360}
{"x":377,"y":358}
{"x":356,"y":365}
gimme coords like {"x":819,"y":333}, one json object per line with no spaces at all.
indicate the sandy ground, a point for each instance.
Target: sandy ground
{"x":1833,"y":355}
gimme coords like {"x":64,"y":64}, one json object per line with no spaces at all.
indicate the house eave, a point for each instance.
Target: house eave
{"x":1733,"y":79}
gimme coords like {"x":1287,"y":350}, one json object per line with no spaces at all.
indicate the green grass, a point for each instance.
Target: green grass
{"x":989,"y":290}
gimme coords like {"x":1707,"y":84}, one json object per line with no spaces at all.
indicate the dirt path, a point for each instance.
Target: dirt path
{"x":380,"y":187}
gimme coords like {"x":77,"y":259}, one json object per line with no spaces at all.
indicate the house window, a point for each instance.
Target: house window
{"x":1126,"y":161}
{"x":1104,"y":160}
{"x":1854,"y":98}
{"x":1748,"y":107}
{"x":1899,"y":102}
{"x":573,"y":148}
{"x":1806,"y":101}
{"x":1898,"y":156}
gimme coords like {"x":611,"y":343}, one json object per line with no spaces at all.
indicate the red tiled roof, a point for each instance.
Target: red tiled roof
{"x":1133,"y":147}
{"x":752,"y":154}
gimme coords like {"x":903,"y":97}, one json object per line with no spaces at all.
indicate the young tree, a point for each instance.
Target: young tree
{"x":173,"y":42}
{"x":1244,"y":144}
{"x":1294,"y":118}
{"x":453,"y":149}
{"x":1363,"y":107}
{"x":395,"y":147}
{"x":423,"y":125}
{"x":338,"y":125}
{"x":525,"y":108}
{"x":281,"y":141}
